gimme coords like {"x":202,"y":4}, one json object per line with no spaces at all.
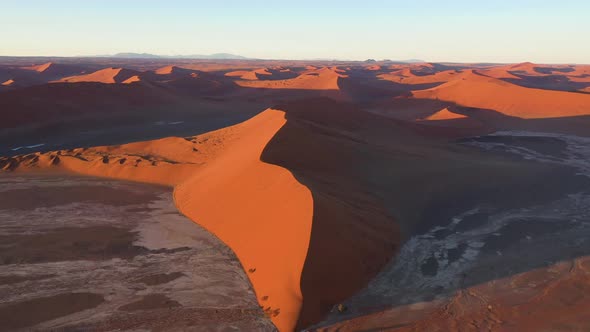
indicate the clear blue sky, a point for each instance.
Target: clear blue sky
{"x":461,"y":30}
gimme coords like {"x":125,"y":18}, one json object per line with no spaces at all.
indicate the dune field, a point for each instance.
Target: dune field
{"x":354,"y":195}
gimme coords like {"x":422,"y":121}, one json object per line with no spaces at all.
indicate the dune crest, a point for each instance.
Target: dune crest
{"x":8,"y":82}
{"x":261,"y":211}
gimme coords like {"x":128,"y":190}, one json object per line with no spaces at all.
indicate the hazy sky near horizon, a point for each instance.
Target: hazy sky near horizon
{"x":461,"y":30}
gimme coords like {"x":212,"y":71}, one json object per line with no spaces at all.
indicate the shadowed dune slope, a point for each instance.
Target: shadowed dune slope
{"x":352,"y":236}
{"x":474,"y":90}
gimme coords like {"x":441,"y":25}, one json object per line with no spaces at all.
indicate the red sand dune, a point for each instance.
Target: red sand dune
{"x":166,"y":70}
{"x":322,"y":79}
{"x":176,"y":72}
{"x":496,"y":72}
{"x":260,"y":210}
{"x":444,"y":114}
{"x":107,"y":75}
{"x":474,"y":90}
{"x":249,"y":74}
{"x":408,"y":77}
{"x":132,"y":79}
{"x":39,"y":68}
{"x":53,"y":71}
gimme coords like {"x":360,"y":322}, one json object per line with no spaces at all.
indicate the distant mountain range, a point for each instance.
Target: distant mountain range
{"x":216,"y":56}
{"x":226,"y":56}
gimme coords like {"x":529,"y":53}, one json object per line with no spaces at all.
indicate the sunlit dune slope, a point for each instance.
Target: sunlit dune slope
{"x":444,"y":114}
{"x":261,"y":211}
{"x":475,"y":90}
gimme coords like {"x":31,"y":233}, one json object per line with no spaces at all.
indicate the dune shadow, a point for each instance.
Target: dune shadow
{"x":377,"y":183}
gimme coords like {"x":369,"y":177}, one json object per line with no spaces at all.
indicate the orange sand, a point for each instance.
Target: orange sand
{"x":8,"y":83}
{"x":474,"y":90}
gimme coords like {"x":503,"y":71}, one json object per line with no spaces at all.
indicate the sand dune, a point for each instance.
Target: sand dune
{"x":173,"y":72}
{"x":249,"y":74}
{"x":54,"y":71}
{"x":132,"y":79}
{"x":315,"y":197}
{"x":107,"y":76}
{"x":474,"y":90}
{"x":444,"y":114}
{"x":406,"y":76}
{"x":497,"y":72}
{"x":321,"y":79}
{"x":8,"y":83}
{"x":260,"y":210}
{"x":39,"y":68}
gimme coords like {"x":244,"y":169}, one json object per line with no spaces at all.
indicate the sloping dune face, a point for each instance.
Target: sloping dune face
{"x":474,"y":90}
{"x":261,"y":211}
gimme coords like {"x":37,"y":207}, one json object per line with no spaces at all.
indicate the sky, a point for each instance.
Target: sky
{"x":445,"y":31}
